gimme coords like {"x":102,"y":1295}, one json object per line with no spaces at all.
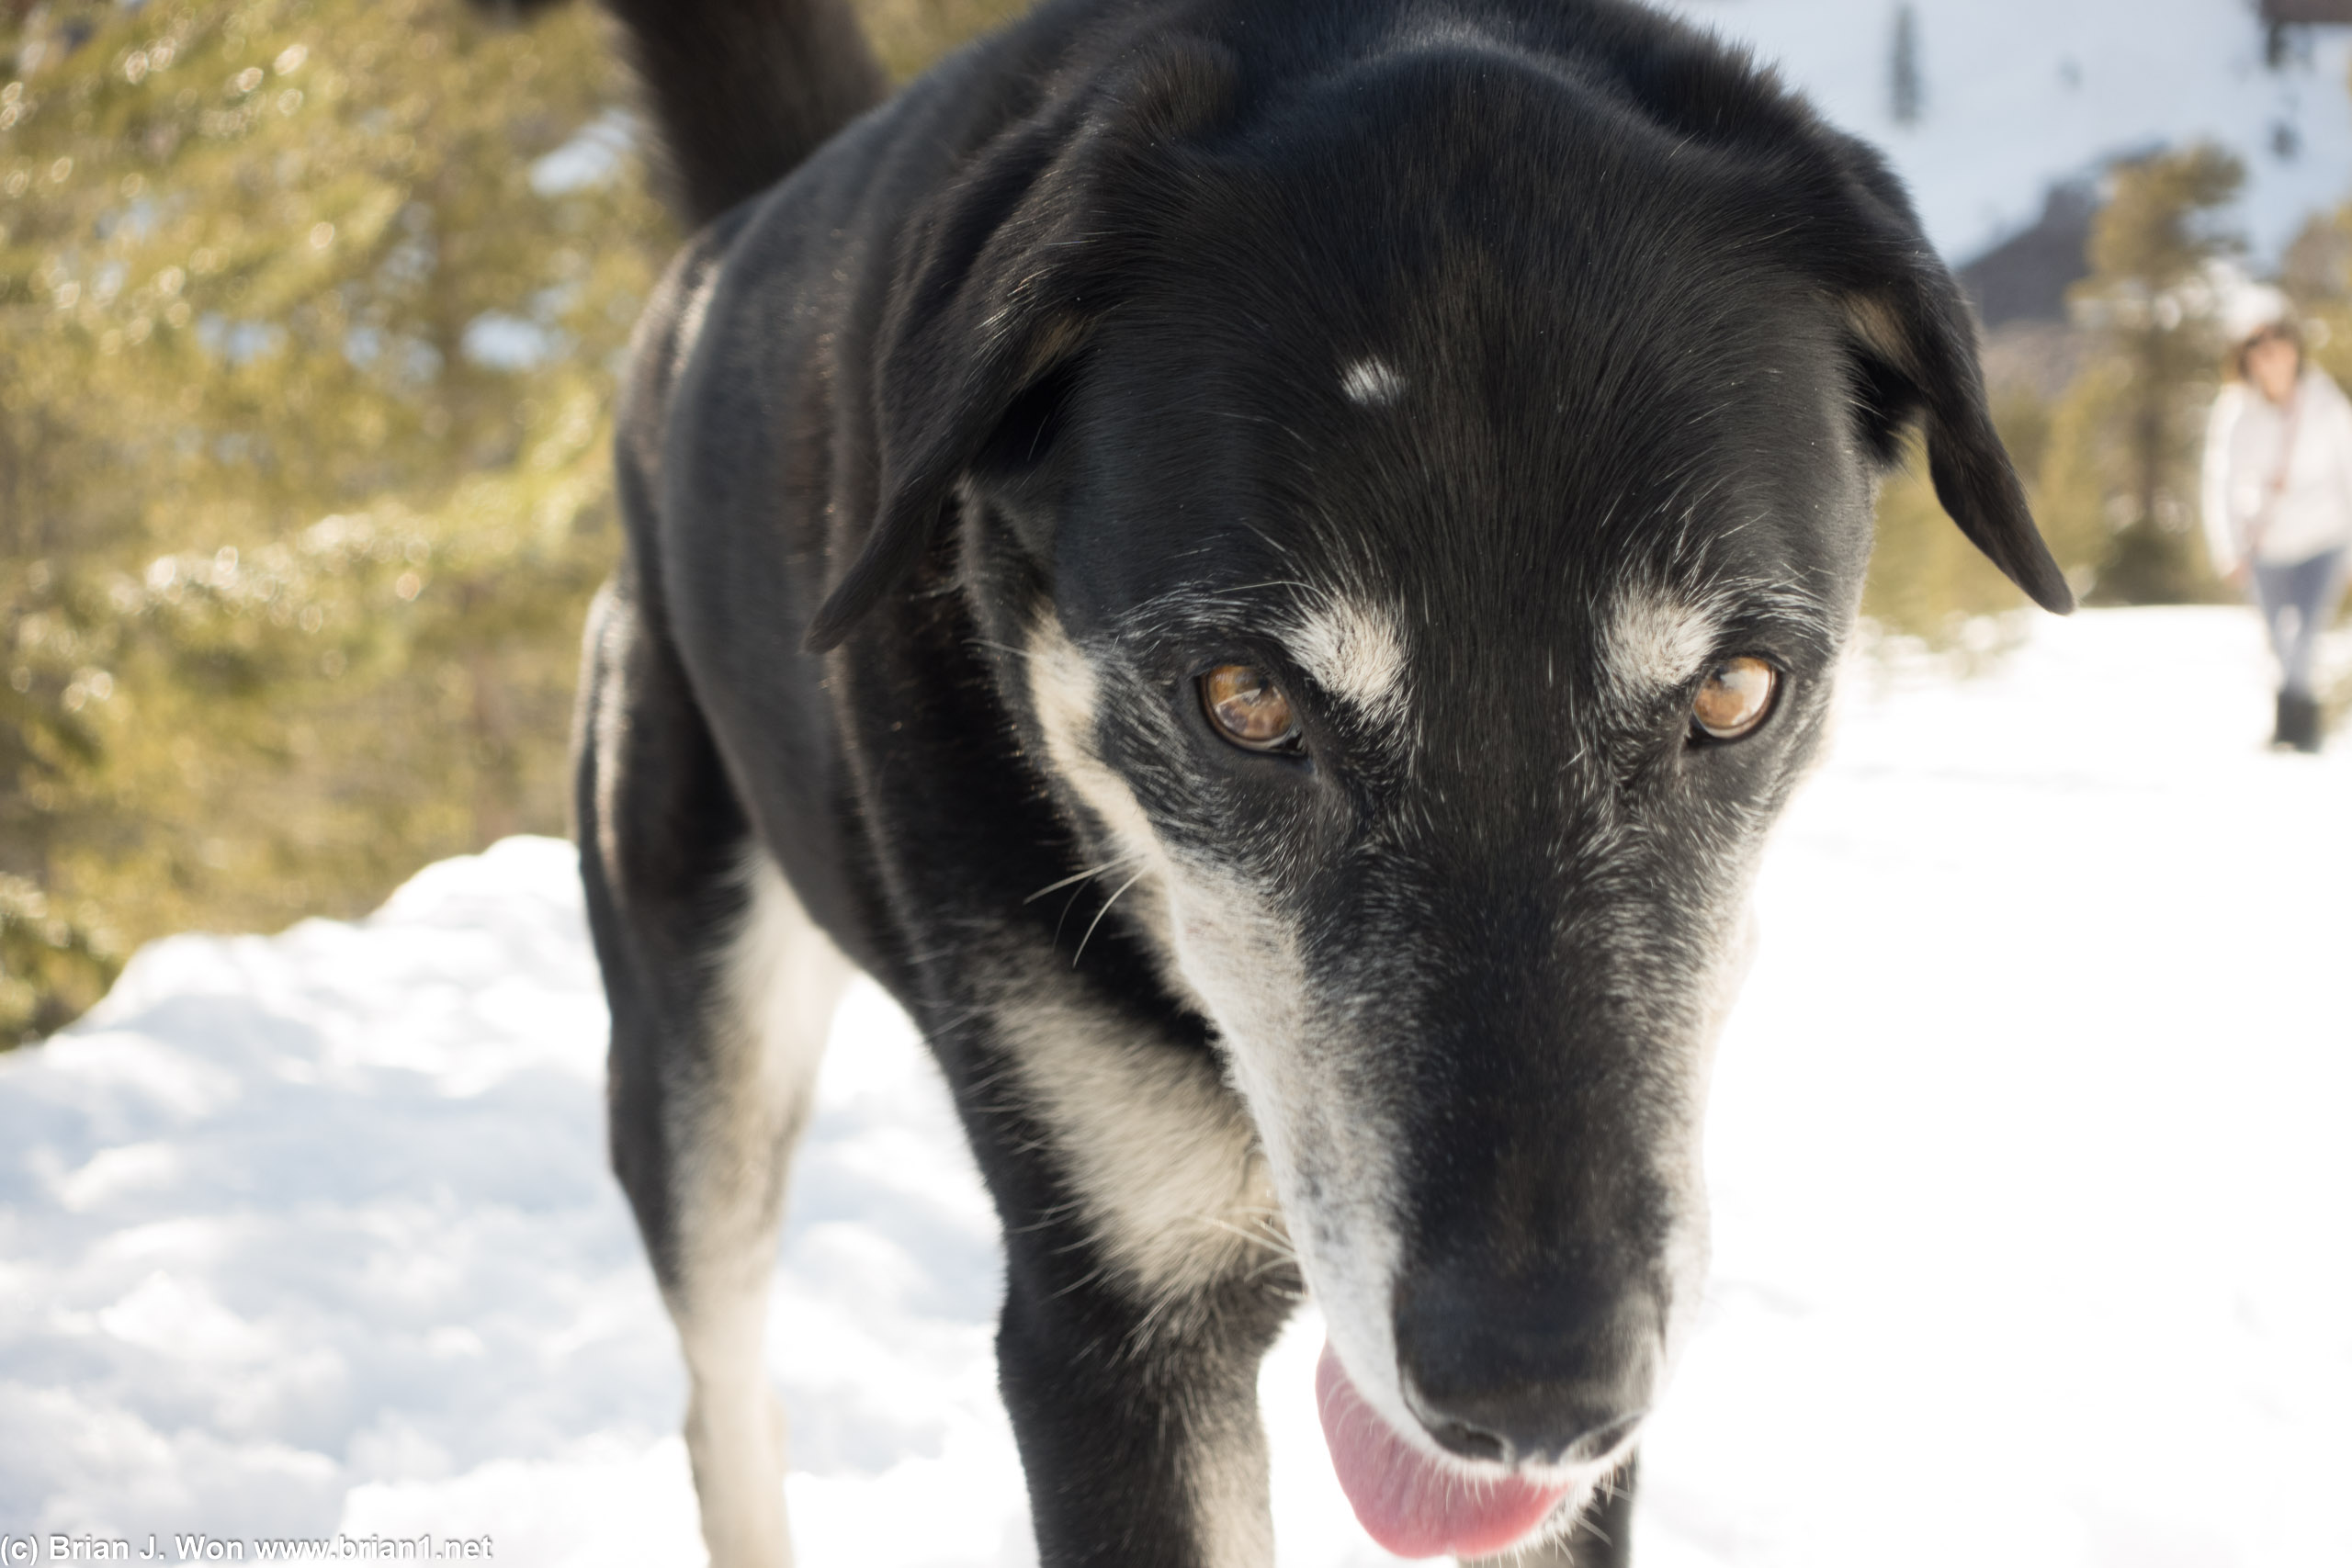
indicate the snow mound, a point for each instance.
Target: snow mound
{"x":2027,"y":1147}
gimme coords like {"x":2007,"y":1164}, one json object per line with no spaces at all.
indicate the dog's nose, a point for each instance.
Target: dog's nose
{"x":1556,"y":1376}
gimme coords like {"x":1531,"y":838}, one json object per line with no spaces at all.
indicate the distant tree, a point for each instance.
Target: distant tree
{"x":51,"y":968}
{"x":2316,"y":272}
{"x":1926,"y":580}
{"x":1909,"y":89}
{"x":308,"y":316}
{"x":2317,"y":275}
{"x":2124,"y":441}
{"x":909,"y":34}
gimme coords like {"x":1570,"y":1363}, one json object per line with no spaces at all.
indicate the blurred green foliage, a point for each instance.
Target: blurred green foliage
{"x":1927,"y":581}
{"x":2111,"y":465}
{"x":309,"y":312}
{"x":2317,"y":275}
{"x":2127,"y":438}
{"x":908,"y":35}
{"x":51,"y":969}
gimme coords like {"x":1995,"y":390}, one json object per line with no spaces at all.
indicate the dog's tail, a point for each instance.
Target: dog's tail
{"x":741,"y":91}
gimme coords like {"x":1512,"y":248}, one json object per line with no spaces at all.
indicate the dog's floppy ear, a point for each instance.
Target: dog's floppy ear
{"x":989,"y":296}
{"x":1915,"y":342}
{"x":998,"y":288}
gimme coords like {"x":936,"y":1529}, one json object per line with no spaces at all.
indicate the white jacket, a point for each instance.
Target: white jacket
{"x":2245,"y":516}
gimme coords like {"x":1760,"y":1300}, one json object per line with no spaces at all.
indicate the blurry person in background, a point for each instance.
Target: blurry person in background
{"x":2278,"y":496}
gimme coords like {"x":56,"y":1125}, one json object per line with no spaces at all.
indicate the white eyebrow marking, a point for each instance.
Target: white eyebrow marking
{"x":1356,"y":651}
{"x":1372,"y":382}
{"x":1657,"y":642}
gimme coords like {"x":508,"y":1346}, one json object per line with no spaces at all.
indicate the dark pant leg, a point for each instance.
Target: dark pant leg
{"x":2298,"y":600}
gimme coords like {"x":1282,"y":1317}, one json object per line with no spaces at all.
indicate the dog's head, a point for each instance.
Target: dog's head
{"x":1427,"y":509}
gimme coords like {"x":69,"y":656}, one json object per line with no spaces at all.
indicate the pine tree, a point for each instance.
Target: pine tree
{"x":2316,"y":272}
{"x":2125,"y":441}
{"x":2317,"y":275}
{"x":308,"y":316}
{"x":306,"y":355}
{"x":1909,"y":91}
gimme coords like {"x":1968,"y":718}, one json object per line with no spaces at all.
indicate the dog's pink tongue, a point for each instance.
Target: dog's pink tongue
{"x":1405,"y":1500}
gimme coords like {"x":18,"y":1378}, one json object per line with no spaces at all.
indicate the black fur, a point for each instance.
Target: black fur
{"x":744,"y":93}
{"x":1055,"y":336}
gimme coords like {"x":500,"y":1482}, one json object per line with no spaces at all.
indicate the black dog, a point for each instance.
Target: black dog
{"x":1264,"y":565}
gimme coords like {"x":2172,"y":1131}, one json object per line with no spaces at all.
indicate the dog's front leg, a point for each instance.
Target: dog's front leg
{"x":1137,"y":1420}
{"x":1146,"y":1274}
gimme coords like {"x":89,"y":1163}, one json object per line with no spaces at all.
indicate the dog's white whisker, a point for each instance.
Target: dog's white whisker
{"x":1105,"y":909}
{"x":1278,"y":1248}
{"x":1113,"y":864}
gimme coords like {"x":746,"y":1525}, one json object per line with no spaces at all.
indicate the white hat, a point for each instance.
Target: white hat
{"x":2250,"y":308}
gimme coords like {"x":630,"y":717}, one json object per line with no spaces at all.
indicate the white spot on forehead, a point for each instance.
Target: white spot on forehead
{"x":1372,"y":382}
{"x":1657,"y":641}
{"x":1355,"y":651}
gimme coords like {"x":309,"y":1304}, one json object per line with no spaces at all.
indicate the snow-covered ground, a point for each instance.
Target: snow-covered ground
{"x":2021,"y":93}
{"x":2033,"y":1187}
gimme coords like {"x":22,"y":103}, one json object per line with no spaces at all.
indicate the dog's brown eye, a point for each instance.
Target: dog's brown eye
{"x":1247,"y":708}
{"x":1737,"y":696}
